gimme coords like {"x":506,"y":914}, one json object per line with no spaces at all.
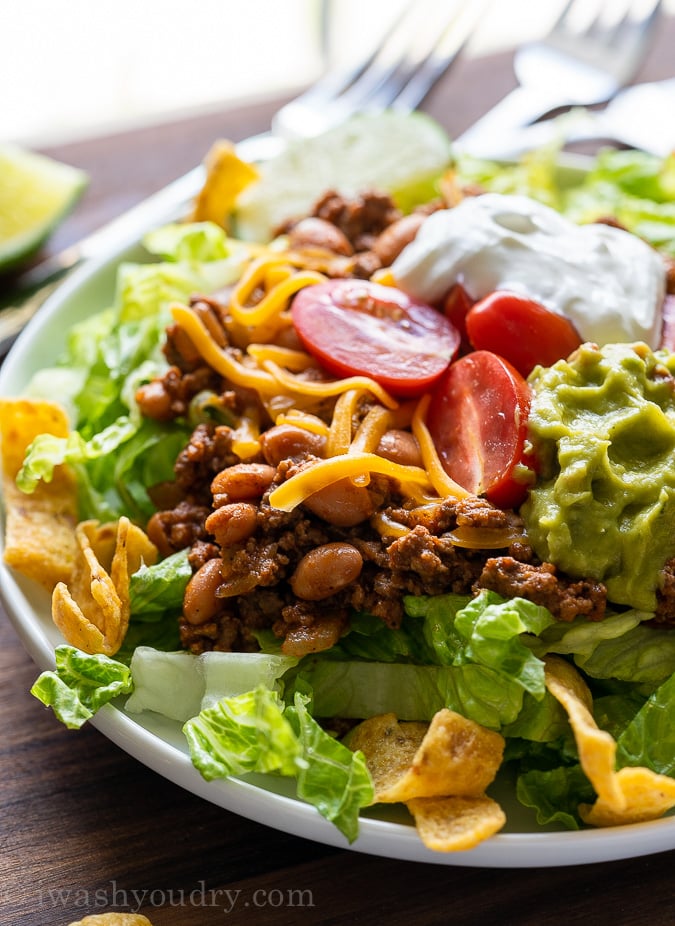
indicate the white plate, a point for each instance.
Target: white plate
{"x":159,"y":744}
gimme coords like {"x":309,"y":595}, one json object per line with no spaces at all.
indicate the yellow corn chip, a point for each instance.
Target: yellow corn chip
{"x":114,"y":919}
{"x":92,"y":612}
{"x":389,"y":748}
{"x":453,"y":824}
{"x":39,"y":534}
{"x":226,"y":176}
{"x":630,"y":795}
{"x":452,"y":755}
{"x":647,"y":796}
{"x":439,"y":770}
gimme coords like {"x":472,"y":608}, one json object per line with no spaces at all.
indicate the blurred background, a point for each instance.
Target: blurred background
{"x":72,"y":69}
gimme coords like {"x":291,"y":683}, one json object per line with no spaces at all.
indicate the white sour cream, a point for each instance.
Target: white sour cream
{"x":608,"y":282}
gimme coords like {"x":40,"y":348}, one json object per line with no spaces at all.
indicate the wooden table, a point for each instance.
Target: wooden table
{"x":83,"y":825}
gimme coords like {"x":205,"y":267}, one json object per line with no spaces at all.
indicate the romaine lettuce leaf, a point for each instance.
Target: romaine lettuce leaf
{"x":649,"y":738}
{"x":555,"y":794}
{"x":254,"y":732}
{"x":192,"y":241}
{"x":245,"y":733}
{"x":363,"y":689}
{"x":179,"y":684}
{"x":160,"y":587}
{"x":492,"y":627}
{"x":334,"y":779}
{"x":81,"y":684}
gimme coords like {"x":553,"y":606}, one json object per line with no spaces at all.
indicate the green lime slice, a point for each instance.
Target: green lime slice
{"x":403,"y":154}
{"x":36,"y":192}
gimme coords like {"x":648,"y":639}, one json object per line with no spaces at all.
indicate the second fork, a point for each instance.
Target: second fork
{"x":583,"y":60}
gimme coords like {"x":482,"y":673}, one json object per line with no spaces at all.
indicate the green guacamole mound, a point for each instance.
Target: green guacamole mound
{"x":602,"y":425}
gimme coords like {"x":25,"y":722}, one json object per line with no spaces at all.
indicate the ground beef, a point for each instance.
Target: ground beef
{"x":565,"y":598}
{"x":178,"y":528}
{"x":665,"y":597}
{"x":208,"y":451}
{"x":422,"y":561}
{"x":361,"y":218}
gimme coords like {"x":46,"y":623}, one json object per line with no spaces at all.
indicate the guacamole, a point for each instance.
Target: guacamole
{"x":603,"y":428}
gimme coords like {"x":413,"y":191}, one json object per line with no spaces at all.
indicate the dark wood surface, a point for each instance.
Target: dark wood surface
{"x":83,"y":825}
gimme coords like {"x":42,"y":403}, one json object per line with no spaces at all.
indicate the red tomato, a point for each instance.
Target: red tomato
{"x":522,"y":331}
{"x":456,"y":307}
{"x":355,"y":327}
{"x":478,"y":421}
{"x":668,"y":326}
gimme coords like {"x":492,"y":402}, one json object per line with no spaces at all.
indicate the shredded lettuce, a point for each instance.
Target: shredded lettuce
{"x":81,"y":685}
{"x":245,"y":733}
{"x":159,"y":588}
{"x":636,"y":187}
{"x":255,"y":732}
{"x":195,"y":241}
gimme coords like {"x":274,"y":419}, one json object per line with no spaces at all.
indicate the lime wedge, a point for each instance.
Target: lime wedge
{"x":399,"y":153}
{"x":36,"y":192}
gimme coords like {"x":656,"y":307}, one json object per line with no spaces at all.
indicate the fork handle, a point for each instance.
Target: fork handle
{"x":518,"y":109}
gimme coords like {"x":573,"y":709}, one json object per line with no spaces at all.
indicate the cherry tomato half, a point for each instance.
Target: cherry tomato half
{"x":478,"y":421}
{"x":521,"y":330}
{"x":355,"y":327}
{"x":668,"y":324}
{"x":456,"y":306}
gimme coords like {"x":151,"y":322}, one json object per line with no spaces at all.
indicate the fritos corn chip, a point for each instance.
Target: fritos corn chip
{"x":439,"y":770}
{"x":451,"y":755}
{"x":92,"y":612}
{"x":630,"y":795}
{"x":226,"y":176}
{"x":39,"y":537}
{"x":114,"y":919}
{"x":454,"y":824}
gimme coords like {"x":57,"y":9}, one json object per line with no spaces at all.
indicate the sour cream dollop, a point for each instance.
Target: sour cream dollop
{"x":606,"y":281}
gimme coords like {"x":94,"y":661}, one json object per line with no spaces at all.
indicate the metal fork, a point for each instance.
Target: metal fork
{"x":420,"y":46}
{"x":594,"y":48}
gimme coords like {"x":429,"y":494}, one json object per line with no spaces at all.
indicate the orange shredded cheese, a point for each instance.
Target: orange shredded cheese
{"x":295,"y":490}
{"x":442,"y":483}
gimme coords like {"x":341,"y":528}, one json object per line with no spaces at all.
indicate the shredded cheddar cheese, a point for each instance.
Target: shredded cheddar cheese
{"x":295,"y":490}
{"x":328,"y":388}
{"x":282,"y":283}
{"x":340,"y":434}
{"x":442,"y":483}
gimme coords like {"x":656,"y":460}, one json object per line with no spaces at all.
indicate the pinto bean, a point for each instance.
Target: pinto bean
{"x":200,"y":603}
{"x":242,"y":482}
{"x":285,"y":441}
{"x":396,"y":236}
{"x":232,"y":524}
{"x":325,"y":571}
{"x":399,"y":447}
{"x":318,"y":233}
{"x":342,"y":503}
{"x":155,"y":401}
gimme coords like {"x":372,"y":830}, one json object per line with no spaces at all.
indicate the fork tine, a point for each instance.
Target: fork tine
{"x":410,"y":58}
{"x":638,"y":16}
{"x":403,"y":54}
{"x":420,"y":73}
{"x":336,"y":82}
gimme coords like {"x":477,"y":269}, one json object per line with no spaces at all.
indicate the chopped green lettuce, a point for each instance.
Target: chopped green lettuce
{"x":179,"y":684}
{"x":196,"y":241}
{"x":255,"y":732}
{"x":155,"y":589}
{"x":81,"y":685}
{"x":245,"y":733}
{"x":635,"y":187}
